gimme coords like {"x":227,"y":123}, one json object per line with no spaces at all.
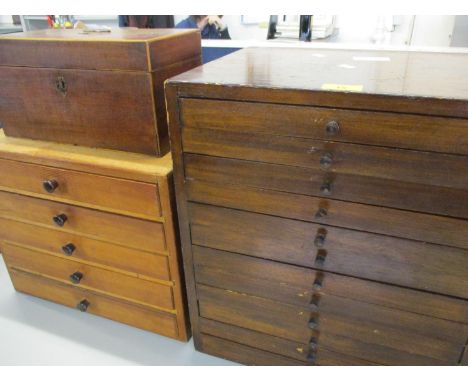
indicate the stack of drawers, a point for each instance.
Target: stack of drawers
{"x":319,"y":227}
{"x":93,"y":229}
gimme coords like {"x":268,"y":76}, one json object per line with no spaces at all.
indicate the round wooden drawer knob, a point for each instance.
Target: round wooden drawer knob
{"x":76,"y":277}
{"x":332,"y":128}
{"x":68,"y":249}
{"x":50,"y":185}
{"x":83,"y":305}
{"x":60,"y":220}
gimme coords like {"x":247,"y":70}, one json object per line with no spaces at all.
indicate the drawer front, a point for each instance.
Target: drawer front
{"x":48,"y":104}
{"x":404,"y":337}
{"x":411,"y":225}
{"x":101,"y":192}
{"x":276,"y":345}
{"x":411,"y":166}
{"x":297,"y":286}
{"x":118,"y":229}
{"x":80,"y":248}
{"x":115,"y":309}
{"x":376,"y":257}
{"x":89,"y":277}
{"x":315,"y":182}
{"x":373,"y":128}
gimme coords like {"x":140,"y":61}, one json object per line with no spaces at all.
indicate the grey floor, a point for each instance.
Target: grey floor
{"x":38,"y":332}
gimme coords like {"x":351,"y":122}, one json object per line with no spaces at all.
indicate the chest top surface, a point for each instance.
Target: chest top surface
{"x":392,"y":73}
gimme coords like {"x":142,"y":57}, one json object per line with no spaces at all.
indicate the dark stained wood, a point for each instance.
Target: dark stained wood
{"x":370,"y":241}
{"x":89,"y":251}
{"x":404,"y":83}
{"x":182,"y":213}
{"x":118,"y":229}
{"x":277,"y":345}
{"x":123,"y":110}
{"x":294,"y":285}
{"x":395,"y":164}
{"x":406,"y":224}
{"x":243,"y":354}
{"x":122,"y":49}
{"x":115,"y":309}
{"x":94,"y":278}
{"x":354,"y":253}
{"x":417,"y":339}
{"x":306,"y":181}
{"x":233,"y":119}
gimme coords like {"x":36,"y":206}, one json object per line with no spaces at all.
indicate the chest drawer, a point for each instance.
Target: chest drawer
{"x":101,"y":192}
{"x":89,"y":277}
{"x":406,"y":224}
{"x":305,"y":287}
{"x":315,"y":182}
{"x":372,"y":128}
{"x":411,"y":166}
{"x":118,"y":229}
{"x":274,"y":346}
{"x":83,"y":249}
{"x":376,"y":257}
{"x":96,"y":303}
{"x":403,"y":337}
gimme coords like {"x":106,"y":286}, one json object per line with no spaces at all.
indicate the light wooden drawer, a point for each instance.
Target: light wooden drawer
{"x":412,"y":166}
{"x":297,"y":285}
{"x":118,"y":229}
{"x":373,"y":128}
{"x":341,"y":186}
{"x":90,"y":190}
{"x":402,"y":337}
{"x":402,"y":262}
{"x":89,"y":277}
{"x":406,"y":224}
{"x":81,"y":248}
{"x":115,"y":309}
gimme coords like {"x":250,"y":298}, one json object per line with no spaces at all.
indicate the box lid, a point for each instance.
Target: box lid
{"x":120,"y":49}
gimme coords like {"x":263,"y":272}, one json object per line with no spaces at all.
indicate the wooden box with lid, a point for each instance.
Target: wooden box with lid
{"x":323,"y":205}
{"x":93,"y":229}
{"x":93,"y":89}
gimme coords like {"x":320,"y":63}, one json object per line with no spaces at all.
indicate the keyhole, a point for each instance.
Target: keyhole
{"x":61,"y":85}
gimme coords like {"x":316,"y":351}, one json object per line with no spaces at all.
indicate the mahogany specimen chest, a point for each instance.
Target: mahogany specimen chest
{"x":93,"y":229}
{"x":93,"y":89}
{"x":323,"y":206}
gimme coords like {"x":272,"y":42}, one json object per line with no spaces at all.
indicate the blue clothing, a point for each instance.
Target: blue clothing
{"x":208,"y":32}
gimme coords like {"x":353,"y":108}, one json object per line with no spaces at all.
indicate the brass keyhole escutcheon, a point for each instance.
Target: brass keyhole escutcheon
{"x":61,"y":85}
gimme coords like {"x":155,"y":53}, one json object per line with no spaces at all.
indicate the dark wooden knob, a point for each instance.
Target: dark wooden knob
{"x":314,"y":303}
{"x":321,"y":212}
{"x":326,"y":160}
{"x":76,"y":277}
{"x":317,"y":284}
{"x":320,"y":258}
{"x":50,"y":185}
{"x":313,"y":346}
{"x":313,"y":323}
{"x":60,"y":220}
{"x":332,"y":128}
{"x":326,"y":188}
{"x":319,"y":240}
{"x":83,"y":305}
{"x":68,"y":249}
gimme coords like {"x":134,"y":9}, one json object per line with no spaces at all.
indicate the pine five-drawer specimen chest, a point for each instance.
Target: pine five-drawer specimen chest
{"x":97,"y":89}
{"x":93,"y":229}
{"x":323,"y":205}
